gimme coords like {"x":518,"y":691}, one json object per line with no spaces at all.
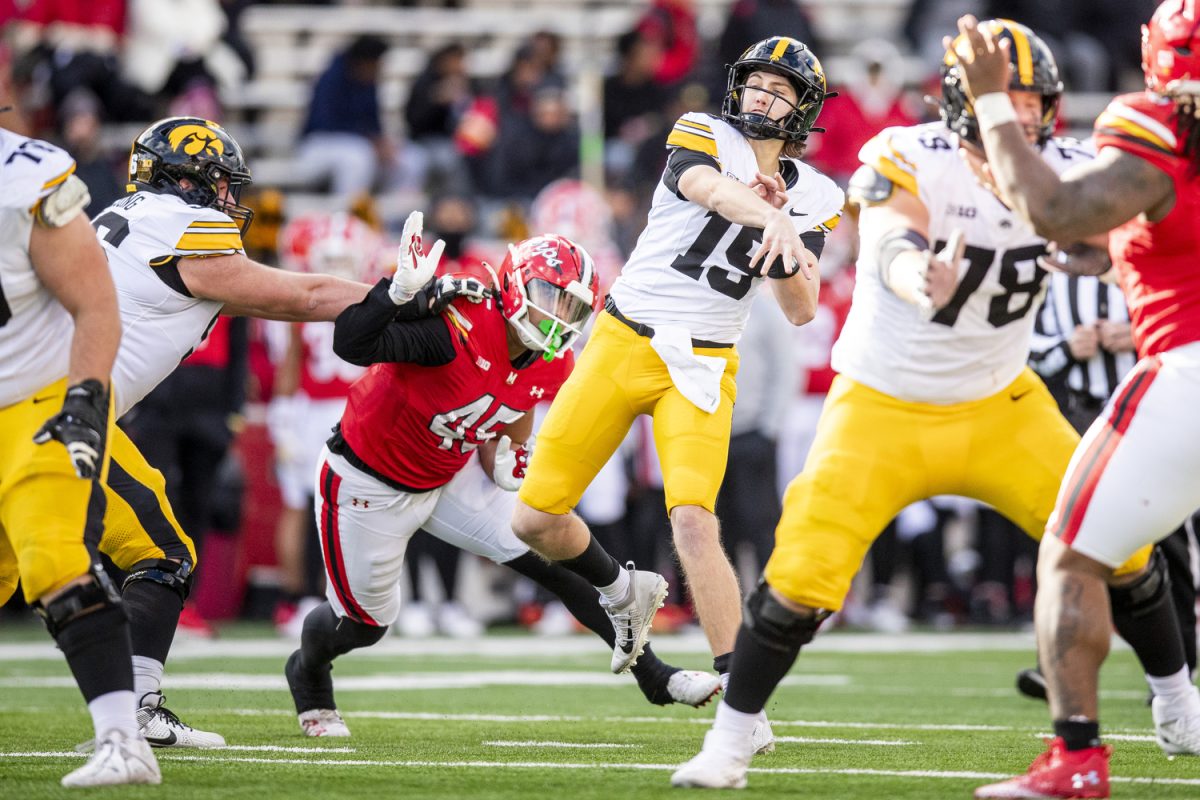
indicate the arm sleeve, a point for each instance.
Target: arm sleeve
{"x":370,"y":333}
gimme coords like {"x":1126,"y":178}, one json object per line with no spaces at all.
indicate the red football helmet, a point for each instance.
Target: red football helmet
{"x":548,"y":290}
{"x":331,"y":244}
{"x":1171,"y":49}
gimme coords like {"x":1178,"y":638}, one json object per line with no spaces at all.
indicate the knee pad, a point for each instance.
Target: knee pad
{"x":98,"y":594}
{"x":1146,"y":593}
{"x":175,"y":575}
{"x":774,"y":625}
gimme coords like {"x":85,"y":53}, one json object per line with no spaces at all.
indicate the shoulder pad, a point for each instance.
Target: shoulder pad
{"x":209,"y":233}
{"x":869,"y":186}
{"x":892,"y":153}
{"x":32,"y":169}
{"x":1136,"y":120}
{"x":64,"y":203}
{"x":694,"y":132}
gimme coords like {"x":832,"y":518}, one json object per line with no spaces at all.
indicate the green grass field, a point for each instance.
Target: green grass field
{"x":861,"y":716}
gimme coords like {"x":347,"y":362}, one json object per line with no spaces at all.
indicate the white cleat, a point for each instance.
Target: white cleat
{"x":454,"y":621}
{"x":631,"y":620}
{"x":692,"y":687}
{"x":323,"y":722}
{"x":763,"y":737}
{"x":118,"y":760}
{"x":721,"y":764}
{"x":162,"y":728}
{"x":1176,"y":729}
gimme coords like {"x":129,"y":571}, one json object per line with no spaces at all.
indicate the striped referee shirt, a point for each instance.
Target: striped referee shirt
{"x":1071,"y":301}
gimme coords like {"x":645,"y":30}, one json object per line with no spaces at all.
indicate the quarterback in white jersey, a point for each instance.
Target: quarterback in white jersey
{"x":735,"y":210}
{"x":933,"y":396}
{"x":174,"y":248}
{"x":59,"y":331}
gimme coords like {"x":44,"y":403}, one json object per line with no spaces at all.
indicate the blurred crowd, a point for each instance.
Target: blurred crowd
{"x":492,"y":159}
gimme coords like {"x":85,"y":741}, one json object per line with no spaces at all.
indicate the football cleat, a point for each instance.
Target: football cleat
{"x":323,"y":722}
{"x":692,"y":687}
{"x":117,"y":760}
{"x":721,"y":764}
{"x":631,"y":619}
{"x":454,"y":621}
{"x":1058,"y":772}
{"x":162,"y":728}
{"x":763,"y":737}
{"x":1031,"y":683}
{"x":1177,"y":730}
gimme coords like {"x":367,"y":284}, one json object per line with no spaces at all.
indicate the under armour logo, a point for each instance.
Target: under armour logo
{"x":537,"y":392}
{"x":1091,"y":778}
{"x":354,"y":501}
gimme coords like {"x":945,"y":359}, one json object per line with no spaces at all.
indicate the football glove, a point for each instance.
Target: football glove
{"x":509,"y":469}
{"x":449,"y":287}
{"x":414,"y":267}
{"x":81,"y":426}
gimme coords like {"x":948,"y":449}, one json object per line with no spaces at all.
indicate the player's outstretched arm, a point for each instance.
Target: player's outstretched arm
{"x":71,"y":264}
{"x":1090,"y":199}
{"x":251,"y":289}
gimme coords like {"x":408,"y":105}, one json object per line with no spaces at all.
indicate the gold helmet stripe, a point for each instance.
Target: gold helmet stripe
{"x":1024,"y":51}
{"x":780,"y":48}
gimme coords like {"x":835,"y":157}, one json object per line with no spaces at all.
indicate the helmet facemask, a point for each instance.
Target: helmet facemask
{"x":560,"y":314}
{"x":548,"y":291}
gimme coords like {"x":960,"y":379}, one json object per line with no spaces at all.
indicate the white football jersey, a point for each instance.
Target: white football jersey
{"x":145,"y":235}
{"x":35,"y":329}
{"x":691,"y":266}
{"x":979,"y":342}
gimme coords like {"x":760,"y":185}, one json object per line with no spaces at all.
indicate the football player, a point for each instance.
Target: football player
{"x":1132,"y":478}
{"x":456,"y":368}
{"x":59,"y":331}
{"x":933,"y":396}
{"x":665,"y":345}
{"x":174,"y":247}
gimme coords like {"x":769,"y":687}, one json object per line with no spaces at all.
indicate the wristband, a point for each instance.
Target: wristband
{"x":993,"y":109}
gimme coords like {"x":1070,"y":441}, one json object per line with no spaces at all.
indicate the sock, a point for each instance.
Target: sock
{"x":652,"y":675}
{"x":153,"y":611}
{"x":721,"y":663}
{"x":1150,"y":626}
{"x":98,"y":652}
{"x":759,"y":669}
{"x":1175,"y":690}
{"x":733,"y":721}
{"x":618,"y":591}
{"x":1078,"y":733}
{"x":114,"y":711}
{"x":147,"y":676}
{"x":326,"y":636}
{"x":595,"y":565}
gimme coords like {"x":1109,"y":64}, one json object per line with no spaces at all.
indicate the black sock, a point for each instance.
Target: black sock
{"x":754,"y":672}
{"x":325,"y":636}
{"x":153,"y":611}
{"x":1078,"y":735}
{"x":594,"y":564}
{"x":721,"y":663}
{"x":652,"y":675}
{"x":98,"y":652}
{"x":1151,"y":628}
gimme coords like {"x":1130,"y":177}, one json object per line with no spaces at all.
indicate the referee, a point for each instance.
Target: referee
{"x":1082,"y":347}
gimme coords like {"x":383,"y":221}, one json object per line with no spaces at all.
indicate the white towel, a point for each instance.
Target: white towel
{"x":698,"y":378}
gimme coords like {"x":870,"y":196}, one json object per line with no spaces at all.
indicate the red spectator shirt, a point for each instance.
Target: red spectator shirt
{"x":418,"y":425}
{"x":1156,"y":261}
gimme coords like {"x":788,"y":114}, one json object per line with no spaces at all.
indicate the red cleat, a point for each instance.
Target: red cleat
{"x":1058,"y":772}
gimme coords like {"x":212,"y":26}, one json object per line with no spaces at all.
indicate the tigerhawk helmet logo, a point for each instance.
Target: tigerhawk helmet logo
{"x":195,"y":140}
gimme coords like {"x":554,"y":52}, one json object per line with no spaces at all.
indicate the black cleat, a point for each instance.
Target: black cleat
{"x":1032,"y":684}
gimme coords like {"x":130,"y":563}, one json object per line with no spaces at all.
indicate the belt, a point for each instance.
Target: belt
{"x":337,"y":444}
{"x":645,"y":330}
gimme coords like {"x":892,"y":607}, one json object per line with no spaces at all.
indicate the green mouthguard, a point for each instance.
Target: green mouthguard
{"x":554,"y":339}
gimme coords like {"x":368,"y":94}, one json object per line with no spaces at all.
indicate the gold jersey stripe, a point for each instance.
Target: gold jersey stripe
{"x":1024,"y":51}
{"x":832,"y":222}
{"x":1109,"y":120}
{"x":694,"y":126}
{"x":894,"y":173}
{"x":50,"y":184}
{"x":214,"y":224}
{"x":209,"y":242}
{"x":692,"y":141}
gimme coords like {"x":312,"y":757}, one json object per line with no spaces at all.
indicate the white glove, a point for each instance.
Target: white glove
{"x":508,"y":471}
{"x":414,"y":267}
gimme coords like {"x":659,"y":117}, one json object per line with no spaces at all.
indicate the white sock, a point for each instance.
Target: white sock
{"x":736,"y":722}
{"x":615,"y":593}
{"x":114,"y":710}
{"x":1175,"y":690}
{"x":147,"y":676}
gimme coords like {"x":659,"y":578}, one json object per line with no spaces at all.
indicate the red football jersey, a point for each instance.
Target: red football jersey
{"x":323,"y":376}
{"x":1156,"y":261}
{"x":419,"y":425}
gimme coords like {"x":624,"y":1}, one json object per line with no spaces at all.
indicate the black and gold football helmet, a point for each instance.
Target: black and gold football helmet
{"x":792,"y":59}
{"x":1033,"y":70}
{"x":200,"y":151}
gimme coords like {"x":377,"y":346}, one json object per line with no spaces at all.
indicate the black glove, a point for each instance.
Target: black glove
{"x":81,"y":426}
{"x":444,"y":290}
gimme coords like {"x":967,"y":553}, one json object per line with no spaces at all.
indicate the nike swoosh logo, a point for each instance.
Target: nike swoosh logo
{"x":794,"y":213}
{"x":1015,"y":396}
{"x":163,"y":741}
{"x":37,"y":400}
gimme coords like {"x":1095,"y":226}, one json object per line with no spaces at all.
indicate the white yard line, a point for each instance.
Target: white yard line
{"x":867,"y":742}
{"x":215,"y":755}
{"x":564,"y":745}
